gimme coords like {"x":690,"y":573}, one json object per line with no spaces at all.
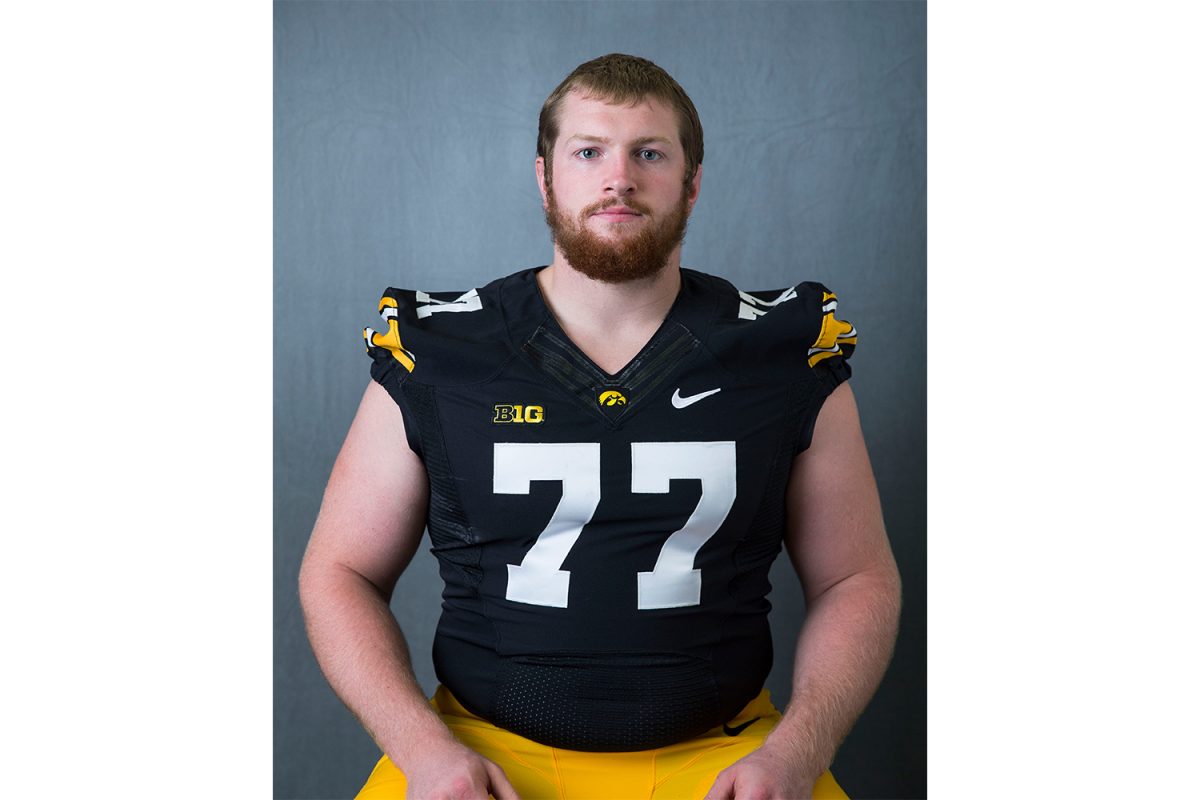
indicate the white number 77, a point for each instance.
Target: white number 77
{"x":674,"y":582}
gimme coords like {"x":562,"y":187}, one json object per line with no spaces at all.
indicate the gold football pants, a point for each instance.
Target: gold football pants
{"x":683,"y":771}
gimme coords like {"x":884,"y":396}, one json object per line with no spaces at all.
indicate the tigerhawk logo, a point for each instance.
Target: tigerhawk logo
{"x":612,"y":398}
{"x":515,"y":413}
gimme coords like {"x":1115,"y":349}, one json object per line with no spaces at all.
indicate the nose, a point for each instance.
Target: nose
{"x":621,"y":180}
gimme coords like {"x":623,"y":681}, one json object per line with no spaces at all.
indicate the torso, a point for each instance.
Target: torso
{"x":606,"y":564}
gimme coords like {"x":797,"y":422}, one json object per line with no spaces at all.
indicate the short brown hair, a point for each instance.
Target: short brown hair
{"x":618,"y":78}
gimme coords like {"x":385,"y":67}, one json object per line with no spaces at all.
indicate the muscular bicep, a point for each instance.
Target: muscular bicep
{"x":373,"y":512}
{"x":835,"y":525}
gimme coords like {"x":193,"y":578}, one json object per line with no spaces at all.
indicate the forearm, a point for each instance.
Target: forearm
{"x":363,"y":655}
{"x":841,"y":654}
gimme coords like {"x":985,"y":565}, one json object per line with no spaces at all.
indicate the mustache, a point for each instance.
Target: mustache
{"x":612,"y":201}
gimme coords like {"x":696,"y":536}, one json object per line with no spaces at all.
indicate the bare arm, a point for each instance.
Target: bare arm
{"x":369,"y":527}
{"x":836,"y":541}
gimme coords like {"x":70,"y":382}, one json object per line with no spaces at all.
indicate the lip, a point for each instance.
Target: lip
{"x":618,"y":212}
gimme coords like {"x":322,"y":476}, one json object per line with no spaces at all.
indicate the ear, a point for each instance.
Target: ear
{"x":539,"y":167}
{"x":694,"y":189}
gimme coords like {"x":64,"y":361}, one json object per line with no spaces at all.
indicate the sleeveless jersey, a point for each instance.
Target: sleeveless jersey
{"x":605,"y":539}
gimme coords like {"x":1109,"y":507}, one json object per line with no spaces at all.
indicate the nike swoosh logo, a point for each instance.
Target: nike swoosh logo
{"x":684,"y":402}
{"x":735,"y":731}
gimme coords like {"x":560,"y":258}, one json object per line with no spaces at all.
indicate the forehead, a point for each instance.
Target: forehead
{"x":585,"y":116}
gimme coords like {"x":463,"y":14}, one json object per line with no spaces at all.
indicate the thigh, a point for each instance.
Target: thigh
{"x":684,"y":771}
{"x":384,"y":783}
{"x":687,"y":771}
{"x":530,"y":767}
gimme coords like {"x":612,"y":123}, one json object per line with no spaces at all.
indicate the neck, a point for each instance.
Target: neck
{"x":609,"y":322}
{"x":582,"y":303}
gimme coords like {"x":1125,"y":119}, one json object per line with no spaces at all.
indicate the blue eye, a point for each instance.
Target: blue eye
{"x":582,"y":152}
{"x":651,"y":155}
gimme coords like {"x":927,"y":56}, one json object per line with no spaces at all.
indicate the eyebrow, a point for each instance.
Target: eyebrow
{"x":638,"y":142}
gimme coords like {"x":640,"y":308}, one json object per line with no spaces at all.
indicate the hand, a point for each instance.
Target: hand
{"x":765,"y":774}
{"x":450,"y":771}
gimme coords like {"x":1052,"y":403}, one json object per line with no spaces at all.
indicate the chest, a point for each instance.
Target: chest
{"x":553,"y":477}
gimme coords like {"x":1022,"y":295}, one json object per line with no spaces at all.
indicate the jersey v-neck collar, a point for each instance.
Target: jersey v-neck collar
{"x":536,"y":334}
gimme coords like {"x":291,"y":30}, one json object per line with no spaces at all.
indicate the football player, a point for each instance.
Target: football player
{"x":608,"y":453}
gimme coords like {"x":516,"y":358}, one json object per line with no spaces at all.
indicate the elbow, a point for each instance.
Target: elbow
{"x":892,"y":588}
{"x":312,"y":584}
{"x":304,"y":586}
{"x":895,"y":585}
{"x":894,"y":599}
{"x":886,"y":593}
{"x":325,"y":584}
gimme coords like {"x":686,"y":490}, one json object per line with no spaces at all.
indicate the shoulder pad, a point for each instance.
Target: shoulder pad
{"x":439,"y":337}
{"x":795,"y":328}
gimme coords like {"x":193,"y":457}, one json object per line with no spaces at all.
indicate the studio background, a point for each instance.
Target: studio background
{"x":404,"y":148}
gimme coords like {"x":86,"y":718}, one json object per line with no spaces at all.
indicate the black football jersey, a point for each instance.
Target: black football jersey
{"x":605,"y":539}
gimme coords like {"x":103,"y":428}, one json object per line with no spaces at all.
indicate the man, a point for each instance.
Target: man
{"x":608,"y":453}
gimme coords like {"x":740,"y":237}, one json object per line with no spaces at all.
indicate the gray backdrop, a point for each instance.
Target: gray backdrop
{"x":404,"y":147}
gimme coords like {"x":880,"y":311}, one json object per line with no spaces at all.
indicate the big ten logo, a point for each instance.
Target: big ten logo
{"x":515,"y":413}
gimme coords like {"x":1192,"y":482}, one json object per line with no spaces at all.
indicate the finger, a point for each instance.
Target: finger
{"x":501,"y":789}
{"x":722,"y":788}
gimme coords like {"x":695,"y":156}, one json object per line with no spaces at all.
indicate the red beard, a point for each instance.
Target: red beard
{"x":629,"y":258}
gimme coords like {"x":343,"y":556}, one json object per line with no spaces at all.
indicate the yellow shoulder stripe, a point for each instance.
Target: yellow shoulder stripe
{"x":834,"y":333}
{"x":390,"y":340}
